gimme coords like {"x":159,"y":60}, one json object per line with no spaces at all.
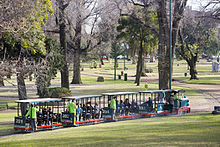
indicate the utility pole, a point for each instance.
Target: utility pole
{"x":170,"y":46}
{"x":115,"y":67}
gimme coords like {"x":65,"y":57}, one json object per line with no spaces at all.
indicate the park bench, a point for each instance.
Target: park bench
{"x":3,"y":105}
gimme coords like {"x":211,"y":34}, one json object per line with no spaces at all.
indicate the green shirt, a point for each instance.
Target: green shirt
{"x":33,"y":112}
{"x":72,"y":107}
{"x":113,"y":104}
{"x":175,"y":97}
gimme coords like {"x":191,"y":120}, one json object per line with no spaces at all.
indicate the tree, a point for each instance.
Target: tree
{"x":136,"y":32}
{"x":163,"y":45}
{"x":23,"y":35}
{"x":48,"y":66}
{"x":161,"y":6}
{"x":62,"y":5}
{"x":213,"y":7}
{"x":83,"y":33}
{"x":195,"y":37}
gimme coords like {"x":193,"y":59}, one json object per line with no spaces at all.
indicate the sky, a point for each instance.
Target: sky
{"x":196,"y":4}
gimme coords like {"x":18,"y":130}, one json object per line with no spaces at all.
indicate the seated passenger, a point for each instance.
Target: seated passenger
{"x":78,"y":112}
{"x":127,"y":106}
{"x":117,"y":108}
{"x":45,"y":116}
{"x":96,"y":111}
{"x":122,"y":108}
{"x":84,"y":112}
{"x":50,"y":116}
{"x":134,"y":107}
{"x":149,"y":102}
{"x":39,"y":118}
{"x":88,"y":110}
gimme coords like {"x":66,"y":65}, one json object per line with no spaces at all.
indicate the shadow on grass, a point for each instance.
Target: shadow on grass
{"x":190,"y":130}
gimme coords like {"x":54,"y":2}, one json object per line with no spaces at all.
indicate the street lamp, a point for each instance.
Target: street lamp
{"x":170,"y":46}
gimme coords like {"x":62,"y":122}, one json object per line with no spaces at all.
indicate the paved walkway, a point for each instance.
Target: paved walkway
{"x":210,"y":96}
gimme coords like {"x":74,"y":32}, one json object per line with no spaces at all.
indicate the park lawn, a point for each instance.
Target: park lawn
{"x":210,"y":79}
{"x":11,"y":103}
{"x":6,"y":122}
{"x":189,"y":130}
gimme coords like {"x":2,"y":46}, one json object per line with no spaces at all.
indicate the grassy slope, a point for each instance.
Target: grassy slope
{"x":189,"y":130}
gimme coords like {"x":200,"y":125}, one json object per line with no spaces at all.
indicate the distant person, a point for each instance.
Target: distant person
{"x":71,"y":108}
{"x":32,"y":113}
{"x":113,"y":107}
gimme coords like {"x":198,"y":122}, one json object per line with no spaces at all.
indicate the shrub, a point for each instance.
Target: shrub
{"x":58,"y":92}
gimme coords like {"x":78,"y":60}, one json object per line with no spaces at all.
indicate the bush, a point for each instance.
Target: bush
{"x":58,"y":92}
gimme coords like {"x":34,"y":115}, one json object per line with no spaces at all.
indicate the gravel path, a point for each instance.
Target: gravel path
{"x":210,"y":96}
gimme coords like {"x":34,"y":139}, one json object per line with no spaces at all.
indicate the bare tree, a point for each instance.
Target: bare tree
{"x":84,"y":33}
{"x":213,"y":7}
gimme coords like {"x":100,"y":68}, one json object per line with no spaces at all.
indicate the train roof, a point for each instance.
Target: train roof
{"x":39,"y":100}
{"x":119,"y":93}
{"x":163,"y":91}
{"x":81,"y":97}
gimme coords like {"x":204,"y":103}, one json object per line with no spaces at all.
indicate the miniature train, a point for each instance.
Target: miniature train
{"x":95,"y":108}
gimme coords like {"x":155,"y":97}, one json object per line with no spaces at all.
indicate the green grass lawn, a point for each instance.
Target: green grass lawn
{"x":189,"y":130}
{"x":208,"y":79}
{"x":6,"y":123}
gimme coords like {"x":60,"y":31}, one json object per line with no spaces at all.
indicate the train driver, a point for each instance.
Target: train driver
{"x":32,"y":113}
{"x":71,"y":108}
{"x":113,"y":107}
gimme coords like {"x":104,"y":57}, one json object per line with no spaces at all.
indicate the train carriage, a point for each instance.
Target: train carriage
{"x":162,"y":102}
{"x":51,"y":120}
{"x":87,"y":116}
{"x":126,"y":105}
{"x":156,"y":103}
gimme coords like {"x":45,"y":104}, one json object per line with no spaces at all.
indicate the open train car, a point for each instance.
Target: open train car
{"x":48,"y":115}
{"x":89,"y":111}
{"x":155,"y":103}
{"x":162,"y":102}
{"x":126,"y":105}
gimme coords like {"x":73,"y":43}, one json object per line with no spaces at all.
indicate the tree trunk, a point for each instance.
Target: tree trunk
{"x":163,"y":49}
{"x":139,"y":65}
{"x":76,"y":68}
{"x":1,"y":82}
{"x":192,"y":65}
{"x":64,"y":71}
{"x":77,"y":47}
{"x":143,"y":73}
{"x":22,"y":94}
